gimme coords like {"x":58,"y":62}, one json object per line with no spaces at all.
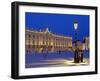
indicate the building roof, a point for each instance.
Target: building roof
{"x":46,"y":31}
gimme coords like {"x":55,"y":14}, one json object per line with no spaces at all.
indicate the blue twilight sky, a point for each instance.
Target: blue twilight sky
{"x":62,"y":24}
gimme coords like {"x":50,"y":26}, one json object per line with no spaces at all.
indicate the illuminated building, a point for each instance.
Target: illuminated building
{"x":41,"y":41}
{"x":86,"y":40}
{"x":81,"y":46}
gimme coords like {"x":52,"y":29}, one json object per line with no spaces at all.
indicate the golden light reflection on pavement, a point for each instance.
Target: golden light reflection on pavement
{"x":58,"y":62}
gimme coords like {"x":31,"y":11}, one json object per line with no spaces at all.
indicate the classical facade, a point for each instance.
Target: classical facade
{"x":87,"y":44}
{"x":79,"y":45}
{"x":82,"y":45}
{"x":45,"y":41}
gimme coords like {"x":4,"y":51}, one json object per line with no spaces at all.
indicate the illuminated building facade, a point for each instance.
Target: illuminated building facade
{"x":41,"y":41}
{"x":82,"y":45}
{"x":86,"y":43}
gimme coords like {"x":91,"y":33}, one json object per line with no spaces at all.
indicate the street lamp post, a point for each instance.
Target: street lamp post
{"x":76,"y":60}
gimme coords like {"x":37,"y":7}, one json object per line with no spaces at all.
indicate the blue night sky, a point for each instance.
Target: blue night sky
{"x":62,"y":24}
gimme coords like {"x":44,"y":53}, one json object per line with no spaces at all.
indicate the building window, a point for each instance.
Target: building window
{"x":33,"y":37}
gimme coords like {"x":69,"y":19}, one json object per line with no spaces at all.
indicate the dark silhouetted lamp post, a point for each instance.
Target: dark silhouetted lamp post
{"x":76,"y":51}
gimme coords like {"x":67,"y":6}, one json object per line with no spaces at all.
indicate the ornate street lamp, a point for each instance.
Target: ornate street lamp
{"x":76,"y":51}
{"x":75,"y":25}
